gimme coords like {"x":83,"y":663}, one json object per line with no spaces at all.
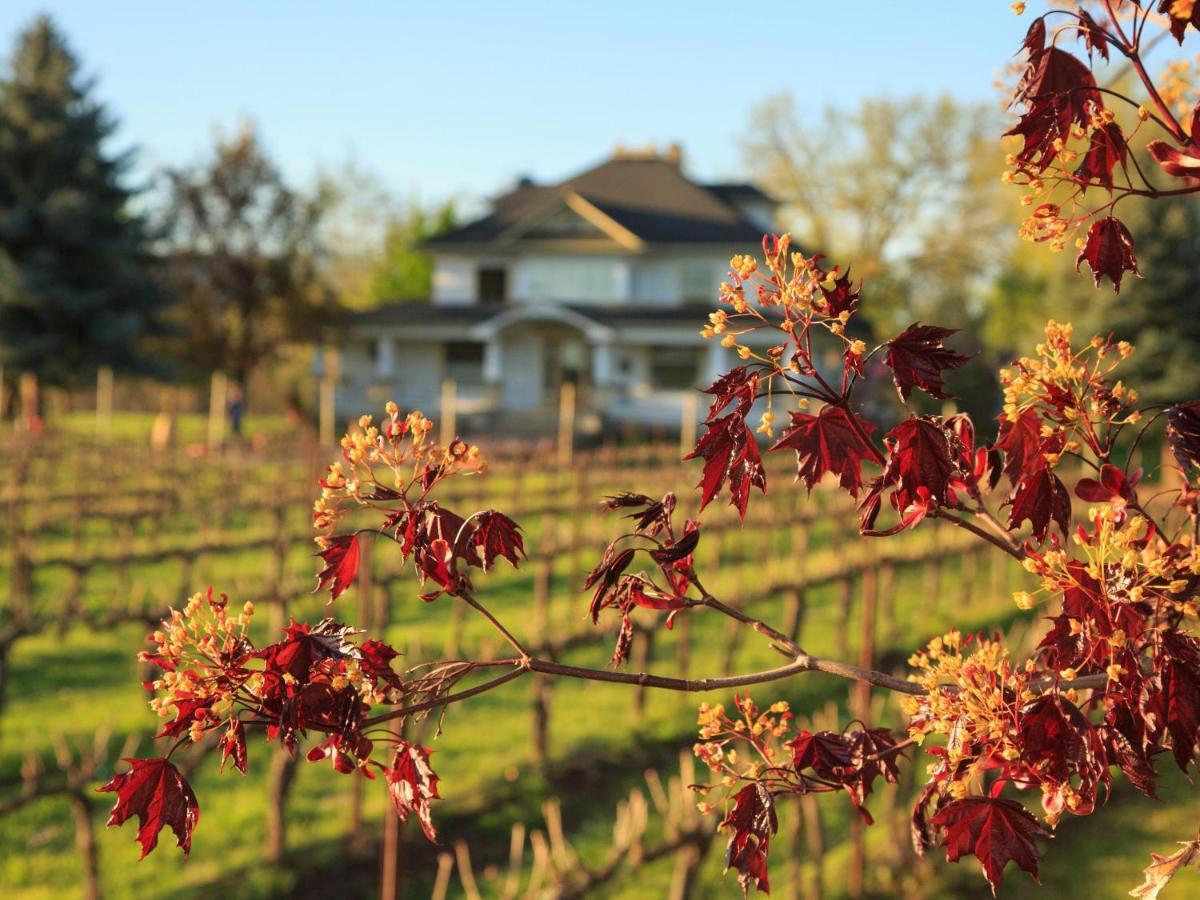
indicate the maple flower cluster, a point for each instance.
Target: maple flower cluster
{"x":1071,"y":140}
{"x":1116,"y":679}
{"x":317,"y":679}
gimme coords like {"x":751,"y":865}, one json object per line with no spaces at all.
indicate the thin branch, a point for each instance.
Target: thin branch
{"x":1010,"y":549}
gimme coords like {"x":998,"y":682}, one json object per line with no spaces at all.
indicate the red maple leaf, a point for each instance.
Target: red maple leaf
{"x":751,"y":824}
{"x":1053,"y":72}
{"x":1041,"y":498}
{"x":1092,"y":34}
{"x":1058,"y":743}
{"x":739,"y":384}
{"x":1106,"y":151}
{"x":1178,"y":666}
{"x":412,"y":785}
{"x":1021,"y":442}
{"x":1114,"y":486}
{"x":341,"y":564}
{"x":825,"y":752}
{"x":917,"y":359}
{"x":160,"y":797}
{"x":1183,"y":432}
{"x":1179,"y":23}
{"x":233,"y":746}
{"x":731,"y":455}
{"x":842,"y":297}
{"x":994,"y":830}
{"x":1180,"y":163}
{"x":921,"y":460}
{"x":828,"y":442}
{"x":1108,"y":250}
{"x":495,"y":536}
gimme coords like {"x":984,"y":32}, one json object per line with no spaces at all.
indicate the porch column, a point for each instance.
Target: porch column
{"x":492,"y":370}
{"x":385,"y":357}
{"x":717,"y":362}
{"x":602,"y":363}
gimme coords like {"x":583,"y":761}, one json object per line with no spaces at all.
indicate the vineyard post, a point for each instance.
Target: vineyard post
{"x":688,"y":411}
{"x":29,"y":401}
{"x":566,"y":424}
{"x":104,"y":402}
{"x":449,"y":410}
{"x":216,"y":409}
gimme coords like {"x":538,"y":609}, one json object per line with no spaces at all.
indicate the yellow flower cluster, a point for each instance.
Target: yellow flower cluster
{"x":399,"y":449}
{"x":972,"y":698}
{"x":187,"y":646}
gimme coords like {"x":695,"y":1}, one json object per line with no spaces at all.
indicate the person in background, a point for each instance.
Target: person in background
{"x":237,"y":409}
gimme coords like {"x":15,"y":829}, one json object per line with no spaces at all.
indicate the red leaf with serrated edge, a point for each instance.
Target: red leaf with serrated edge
{"x":341,"y":564}
{"x":1106,"y":151}
{"x":731,"y":455}
{"x":1021,"y":442}
{"x":1178,"y":666}
{"x":1092,"y":34}
{"x":751,"y":824}
{"x":377,"y":662}
{"x":1181,"y":15}
{"x":738,"y":386}
{"x":1180,"y":163}
{"x":1183,"y":433}
{"x":828,"y":442}
{"x":825,"y":752}
{"x":233,"y":746}
{"x":842,"y":297}
{"x":160,"y":797}
{"x":995,"y":831}
{"x":917,"y":358}
{"x":921,"y":460}
{"x":1108,"y":250}
{"x":1112,"y":487}
{"x":1055,"y":72}
{"x":1040,"y":498}
{"x":412,"y":785}
{"x":496,"y":536}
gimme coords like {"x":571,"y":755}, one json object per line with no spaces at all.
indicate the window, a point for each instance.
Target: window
{"x":698,"y":280}
{"x":570,"y":280}
{"x":673,"y":368}
{"x":492,"y":284}
{"x":464,"y":362}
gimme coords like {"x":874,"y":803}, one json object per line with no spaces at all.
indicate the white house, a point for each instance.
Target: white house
{"x":603,"y":280}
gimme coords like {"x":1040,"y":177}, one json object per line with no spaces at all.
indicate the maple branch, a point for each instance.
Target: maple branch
{"x":504,"y":632}
{"x":1013,"y":551}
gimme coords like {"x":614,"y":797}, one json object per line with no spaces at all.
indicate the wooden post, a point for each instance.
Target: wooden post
{"x":104,"y":402}
{"x":327,"y":402}
{"x":216,"y":409}
{"x":449,"y":411}
{"x":391,"y":866}
{"x":566,"y":424}
{"x":29,"y":400}
{"x":687,"y":423}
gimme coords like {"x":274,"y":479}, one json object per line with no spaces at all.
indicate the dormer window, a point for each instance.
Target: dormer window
{"x":492,"y":284}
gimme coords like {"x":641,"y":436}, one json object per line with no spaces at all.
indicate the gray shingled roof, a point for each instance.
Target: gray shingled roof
{"x":650,"y":197}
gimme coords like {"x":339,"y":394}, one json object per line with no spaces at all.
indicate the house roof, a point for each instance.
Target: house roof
{"x":439,"y":315}
{"x":629,"y":198}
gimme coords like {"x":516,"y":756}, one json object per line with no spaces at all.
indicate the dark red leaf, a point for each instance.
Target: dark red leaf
{"x":1183,"y":433}
{"x":1108,"y":250}
{"x":160,"y":797}
{"x":1040,"y":498}
{"x":1179,"y":23}
{"x":843,"y":297}
{"x":738,"y":386}
{"x":993,"y":830}
{"x":1106,"y":151}
{"x":413,"y":786}
{"x":731,"y":455}
{"x":1092,"y":34}
{"x":680,"y":549}
{"x":1021,"y":441}
{"x":751,"y":824}
{"x":1112,"y":487}
{"x":825,"y":752}
{"x":341,"y":564}
{"x":233,"y":746}
{"x":496,"y":536}
{"x":921,"y":458}
{"x":1180,"y":163}
{"x":917,"y":358}
{"x":828,"y":442}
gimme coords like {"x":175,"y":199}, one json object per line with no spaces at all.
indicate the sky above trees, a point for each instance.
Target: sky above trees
{"x":459,"y":99}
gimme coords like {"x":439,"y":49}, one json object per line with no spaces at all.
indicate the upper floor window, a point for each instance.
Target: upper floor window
{"x":569,"y":280}
{"x":698,"y":280}
{"x":492,"y":284}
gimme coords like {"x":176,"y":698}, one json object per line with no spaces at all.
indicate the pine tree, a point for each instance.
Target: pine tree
{"x":77,"y":289}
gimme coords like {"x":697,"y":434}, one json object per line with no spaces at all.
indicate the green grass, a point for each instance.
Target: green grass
{"x":73,"y":682}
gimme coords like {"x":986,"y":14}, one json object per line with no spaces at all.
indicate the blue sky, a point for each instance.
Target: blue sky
{"x":458,"y":98}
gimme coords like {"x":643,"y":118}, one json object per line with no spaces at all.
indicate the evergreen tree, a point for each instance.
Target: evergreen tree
{"x":76,"y":287}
